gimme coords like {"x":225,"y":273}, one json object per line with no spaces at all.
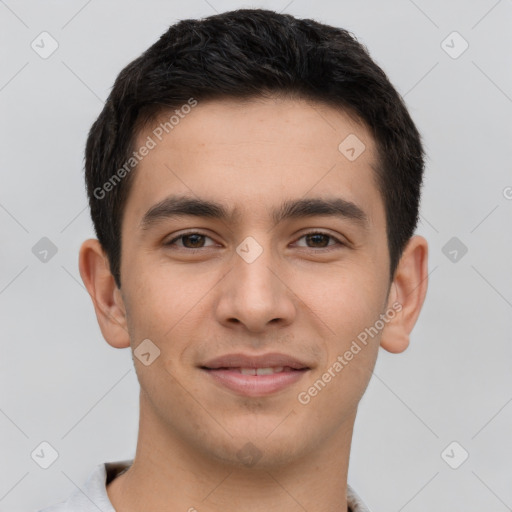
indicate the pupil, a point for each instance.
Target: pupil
{"x":316,"y":236}
{"x":193,"y":236}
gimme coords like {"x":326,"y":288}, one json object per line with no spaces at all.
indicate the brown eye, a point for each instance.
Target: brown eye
{"x":320,"y":240}
{"x":195,"y":240}
{"x":191,"y":241}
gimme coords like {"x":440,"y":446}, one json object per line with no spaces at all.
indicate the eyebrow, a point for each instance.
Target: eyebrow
{"x":178,"y":206}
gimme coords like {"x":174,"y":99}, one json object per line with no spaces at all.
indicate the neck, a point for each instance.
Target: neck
{"x":168,"y":475}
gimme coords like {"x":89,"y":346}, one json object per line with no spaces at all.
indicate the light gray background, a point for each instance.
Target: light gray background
{"x":62,"y":383}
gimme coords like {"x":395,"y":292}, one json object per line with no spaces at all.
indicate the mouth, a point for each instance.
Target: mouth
{"x":270,"y":370}
{"x":255,"y":375}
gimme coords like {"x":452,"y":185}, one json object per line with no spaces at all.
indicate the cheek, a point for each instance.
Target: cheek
{"x":167,"y":308}
{"x":345,"y":299}
{"x":348,"y":305}
{"x":163,"y":299}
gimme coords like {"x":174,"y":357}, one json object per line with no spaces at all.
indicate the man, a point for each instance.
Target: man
{"x":254,"y":182}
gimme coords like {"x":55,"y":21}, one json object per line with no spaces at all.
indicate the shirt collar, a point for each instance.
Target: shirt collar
{"x":94,"y":495}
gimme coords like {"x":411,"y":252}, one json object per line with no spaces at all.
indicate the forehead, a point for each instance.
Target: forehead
{"x":253,"y":153}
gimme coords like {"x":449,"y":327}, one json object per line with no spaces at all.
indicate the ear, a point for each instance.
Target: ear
{"x":407,"y":292}
{"x":106,"y":297}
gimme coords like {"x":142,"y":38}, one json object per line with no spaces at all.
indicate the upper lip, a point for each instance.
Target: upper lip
{"x":255,"y":361}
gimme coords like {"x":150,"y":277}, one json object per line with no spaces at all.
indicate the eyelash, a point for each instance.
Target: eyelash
{"x":338,"y":244}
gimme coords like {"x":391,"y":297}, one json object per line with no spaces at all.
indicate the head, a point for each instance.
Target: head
{"x":269,"y":128}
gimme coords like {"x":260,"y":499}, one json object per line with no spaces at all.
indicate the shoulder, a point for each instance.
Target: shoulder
{"x":355,"y":502}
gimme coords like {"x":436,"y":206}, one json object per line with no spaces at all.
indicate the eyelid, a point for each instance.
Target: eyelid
{"x":339,"y":242}
{"x":187,"y":233}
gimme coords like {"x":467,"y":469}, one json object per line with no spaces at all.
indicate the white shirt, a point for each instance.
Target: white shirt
{"x":93,"y":497}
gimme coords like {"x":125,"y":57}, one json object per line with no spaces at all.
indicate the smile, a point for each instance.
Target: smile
{"x":262,"y":371}
{"x":255,"y":382}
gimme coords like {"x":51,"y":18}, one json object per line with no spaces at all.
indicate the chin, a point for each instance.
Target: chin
{"x":262,"y":450}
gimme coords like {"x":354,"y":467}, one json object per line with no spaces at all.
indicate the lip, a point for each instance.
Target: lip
{"x":225,"y":370}
{"x":240,"y":360}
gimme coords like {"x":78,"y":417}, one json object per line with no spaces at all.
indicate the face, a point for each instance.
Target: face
{"x":294,"y":285}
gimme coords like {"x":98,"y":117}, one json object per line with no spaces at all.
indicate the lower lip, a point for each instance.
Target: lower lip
{"x":255,"y":385}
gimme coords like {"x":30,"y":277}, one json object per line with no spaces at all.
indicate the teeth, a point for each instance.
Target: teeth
{"x":261,"y":371}
{"x":269,"y":371}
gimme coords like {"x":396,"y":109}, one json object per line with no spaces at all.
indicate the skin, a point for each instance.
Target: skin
{"x":295,"y":298}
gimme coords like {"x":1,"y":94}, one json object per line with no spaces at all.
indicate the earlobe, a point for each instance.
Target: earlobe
{"x":407,"y":293}
{"x":106,"y":297}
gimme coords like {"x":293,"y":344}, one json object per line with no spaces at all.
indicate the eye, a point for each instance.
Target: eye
{"x":193,"y":239}
{"x":321,"y":238}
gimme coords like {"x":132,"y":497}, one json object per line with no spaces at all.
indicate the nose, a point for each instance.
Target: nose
{"x":256,"y":294}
